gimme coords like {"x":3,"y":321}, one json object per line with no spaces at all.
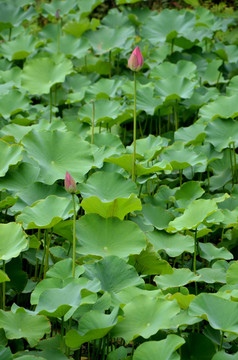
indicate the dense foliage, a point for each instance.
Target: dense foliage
{"x":156,"y":270}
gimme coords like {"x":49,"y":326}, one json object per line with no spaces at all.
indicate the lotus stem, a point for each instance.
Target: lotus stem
{"x":194,"y":258}
{"x":234,"y":156}
{"x":58,"y":35}
{"x":93,"y":119}
{"x":134,"y":133}
{"x":51,"y":100}
{"x":110,"y":65}
{"x":47,"y":245}
{"x":3,"y":288}
{"x":74,"y":236}
{"x":221,"y":342}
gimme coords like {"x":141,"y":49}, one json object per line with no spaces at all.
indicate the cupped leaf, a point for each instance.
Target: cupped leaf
{"x":188,"y":192}
{"x":221,"y":355}
{"x":210,"y":252}
{"x":179,"y":277}
{"x":40,"y":74}
{"x":144,"y":316}
{"x":217,"y":273}
{"x":174,"y":88}
{"x":165,"y":348}
{"x":19,"y":178}
{"x":146,"y":101}
{"x":222,"y":133}
{"x":111,"y":236}
{"x":194,"y":215}
{"x":121,"y":276}
{"x":70,"y":46}
{"x":10,"y":155}
{"x":12,"y":103}
{"x":105,"y":110}
{"x":217,"y":311}
{"x":63,"y":270}
{"x":57,"y":152}
{"x":93,"y":325}
{"x":23,"y":325}
{"x":149,"y":147}
{"x":173,"y":244}
{"x":12,"y":240}
{"x":46,"y":213}
{"x":182,"y":68}
{"x":223,"y":107}
{"x":157,"y":216}
{"x":232,"y":274}
{"x":18,"y":48}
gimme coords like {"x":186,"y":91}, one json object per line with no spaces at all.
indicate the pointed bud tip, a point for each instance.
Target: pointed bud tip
{"x":70,"y":184}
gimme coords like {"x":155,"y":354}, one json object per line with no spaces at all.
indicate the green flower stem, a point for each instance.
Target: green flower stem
{"x":74,"y":236}
{"x":93,"y":120}
{"x":234,"y":157}
{"x":51,"y":100}
{"x":58,"y":35}
{"x":47,"y":245}
{"x":3,"y":288}
{"x":62,"y":335}
{"x":110,"y":65}
{"x":134,"y":133}
{"x":221,"y":342}
{"x":195,"y":257}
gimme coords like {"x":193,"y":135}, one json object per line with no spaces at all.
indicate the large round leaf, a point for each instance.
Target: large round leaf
{"x":105,"y":110}
{"x":223,"y":106}
{"x":18,"y":48}
{"x":58,"y":152}
{"x":144,"y":316}
{"x":121,"y":276}
{"x":111,"y":236}
{"x":12,"y":103}
{"x":179,"y":277}
{"x":10,"y":155}
{"x":166,"y":69}
{"x":109,"y":194}
{"x":23,"y":325}
{"x":195,"y":214}
{"x":12,"y":240}
{"x":149,"y":147}
{"x":221,"y":355}
{"x":157,"y":216}
{"x":46,"y":213}
{"x":217,"y":311}
{"x":174,"y":88}
{"x":221,"y":133}
{"x":165,"y":348}
{"x":39,"y":74}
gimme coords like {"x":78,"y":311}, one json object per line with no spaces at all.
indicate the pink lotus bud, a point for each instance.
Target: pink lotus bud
{"x":69,"y":184}
{"x":136,"y":60}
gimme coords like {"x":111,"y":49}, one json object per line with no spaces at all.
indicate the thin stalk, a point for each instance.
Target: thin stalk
{"x":62,"y":335}
{"x":58,"y":35}
{"x":194,"y":258}
{"x":43,"y":257}
{"x":89,"y":357}
{"x":93,"y":119}
{"x":232,"y":172}
{"x":180,"y":177}
{"x":208,"y":180}
{"x":176,"y":121}
{"x":110,"y":65}
{"x":86,"y":64}
{"x":103,"y":349}
{"x":134,"y":132}
{"x":47,"y":243}
{"x":74,"y":236}
{"x":3,"y":288}
{"x":51,"y":104}
{"x":221,"y":342}
{"x":234,"y":157}
{"x":10,"y":34}
{"x":168,"y":122}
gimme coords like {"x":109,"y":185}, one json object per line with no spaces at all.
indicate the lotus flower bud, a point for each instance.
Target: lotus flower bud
{"x":136,"y":60}
{"x":69,"y":184}
{"x":57,"y":14}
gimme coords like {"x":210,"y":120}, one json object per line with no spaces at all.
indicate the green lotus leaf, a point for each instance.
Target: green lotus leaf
{"x":174,"y":88}
{"x":223,"y":107}
{"x":10,"y":155}
{"x":109,"y":194}
{"x":210,"y":252}
{"x":58,"y":301}
{"x":148,"y":262}
{"x":157,"y":216}
{"x":13,"y":240}
{"x":3,"y":277}
{"x":182,"y":300}
{"x":121,"y":276}
{"x":70,"y":45}
{"x":232,"y":87}
{"x":221,"y":133}
{"x":183,"y":68}
{"x":198,"y":344}
{"x":105,"y":110}
{"x":188,"y":192}
{"x":23,"y":325}
{"x":201,"y":96}
{"x":181,"y":157}
{"x":193,"y":134}
{"x":40,"y":74}
{"x":77,"y":28}
{"x":179,"y":277}
{"x":63,"y":270}
{"x":221,"y":355}
{"x":106,"y":39}
{"x":217,"y":311}
{"x":173,"y":244}
{"x":217,"y":273}
{"x":18,"y":178}
{"x":125,"y":161}
{"x":194,"y":215}
{"x":211,"y":74}
{"x":144,"y":316}
{"x":87,"y":7}
{"x":62,"y":6}
{"x":111,"y":236}
{"x":30,"y":357}
{"x":149,"y":147}
{"x":12,"y":15}
{"x":232,"y":274}
{"x":13,"y":102}
{"x":58,"y":152}
{"x":166,"y":348}
{"x":18,"y":48}
{"x":93,"y":325}
{"x":46,"y":213}
{"x":120,"y":353}
{"x":104,"y":86}
{"x":146,"y":101}
{"x":167,"y":25}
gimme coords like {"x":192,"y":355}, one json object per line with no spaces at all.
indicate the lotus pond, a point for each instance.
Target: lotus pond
{"x":140,"y":260}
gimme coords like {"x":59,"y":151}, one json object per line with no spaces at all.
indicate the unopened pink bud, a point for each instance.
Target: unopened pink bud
{"x":69,"y":184}
{"x":136,"y":60}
